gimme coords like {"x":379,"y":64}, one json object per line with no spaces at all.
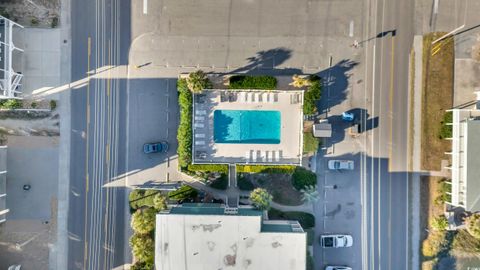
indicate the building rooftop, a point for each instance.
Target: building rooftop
{"x":472,"y":165}
{"x":198,"y":241}
{"x":272,"y":134}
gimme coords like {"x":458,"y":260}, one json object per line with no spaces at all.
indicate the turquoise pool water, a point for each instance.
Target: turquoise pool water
{"x":239,"y":126}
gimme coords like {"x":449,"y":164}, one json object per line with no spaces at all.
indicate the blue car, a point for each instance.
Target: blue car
{"x":348,"y":116}
{"x":149,"y":148}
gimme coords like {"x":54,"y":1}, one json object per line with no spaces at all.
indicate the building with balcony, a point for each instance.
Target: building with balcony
{"x":10,"y":81}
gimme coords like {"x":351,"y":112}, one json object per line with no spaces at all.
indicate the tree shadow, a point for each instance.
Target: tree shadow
{"x":335,"y":84}
{"x":267,"y":62}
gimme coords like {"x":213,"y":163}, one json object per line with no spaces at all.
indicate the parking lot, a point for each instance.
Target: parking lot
{"x":152,"y":117}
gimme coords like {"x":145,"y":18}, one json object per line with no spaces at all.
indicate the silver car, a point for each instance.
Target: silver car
{"x":340,"y":165}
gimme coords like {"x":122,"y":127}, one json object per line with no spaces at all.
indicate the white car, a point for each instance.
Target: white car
{"x":331,"y":267}
{"x":340,"y":165}
{"x":336,"y":240}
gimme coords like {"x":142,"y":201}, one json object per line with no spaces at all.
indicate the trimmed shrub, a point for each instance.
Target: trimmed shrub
{"x":252,"y":82}
{"x":143,"y":220}
{"x":53,"y":105}
{"x":184,"y":134}
{"x":54,"y":22}
{"x":140,"y":265}
{"x":220,"y":183}
{"x":302,"y":178}
{"x":184,"y":192}
{"x":11,"y":104}
{"x":307,"y":220}
{"x":221,"y":168}
{"x":265,"y":169}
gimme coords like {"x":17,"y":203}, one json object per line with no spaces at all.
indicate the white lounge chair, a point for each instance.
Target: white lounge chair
{"x":254,"y":156}
{"x":274,"y":156}
{"x":253,"y":97}
{"x":270,"y":97}
{"x":199,"y":142}
{"x":199,"y":125}
{"x":199,"y":135}
{"x":280,"y":155}
{"x":247,"y":155}
{"x":199,"y":118}
{"x":200,"y":112}
{"x":265,"y":97}
{"x":267,"y":156}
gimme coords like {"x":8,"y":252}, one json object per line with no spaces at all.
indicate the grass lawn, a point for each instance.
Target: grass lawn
{"x":279,"y":185}
{"x":310,"y":143}
{"x":437,"y":96}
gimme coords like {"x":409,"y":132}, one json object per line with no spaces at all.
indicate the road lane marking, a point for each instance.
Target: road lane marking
{"x":392,"y":67}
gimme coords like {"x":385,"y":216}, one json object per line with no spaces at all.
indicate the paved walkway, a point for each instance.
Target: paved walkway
{"x":232,"y":192}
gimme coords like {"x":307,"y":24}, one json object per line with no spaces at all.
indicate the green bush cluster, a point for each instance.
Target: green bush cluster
{"x":220,"y":183}
{"x":252,"y":82}
{"x":10,"y":104}
{"x":143,"y":248}
{"x":446,"y":130}
{"x":184,"y":135}
{"x":243,"y":183}
{"x":313,"y":93}
{"x":473,"y":225}
{"x":444,"y":190}
{"x":53,"y":105}
{"x":307,"y":220}
{"x":302,"y":178}
{"x":310,"y":143}
{"x":221,"y":168}
{"x":54,"y":22}
{"x":184,"y":192}
{"x":139,"y":198}
{"x":266,"y":168}
{"x":261,"y":199}
{"x":439,"y":223}
{"x":435,"y":243}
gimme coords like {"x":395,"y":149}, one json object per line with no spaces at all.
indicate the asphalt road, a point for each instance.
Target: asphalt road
{"x":100,"y":38}
{"x":386,"y":178}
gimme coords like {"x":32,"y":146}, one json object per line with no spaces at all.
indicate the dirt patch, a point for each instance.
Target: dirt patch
{"x":438,"y":68}
{"x":34,"y":13}
{"x":279,"y":185}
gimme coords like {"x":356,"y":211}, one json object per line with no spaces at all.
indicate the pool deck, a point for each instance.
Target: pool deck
{"x":288,"y":151}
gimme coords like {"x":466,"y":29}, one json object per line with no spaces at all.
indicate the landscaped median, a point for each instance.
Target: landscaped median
{"x":438,"y":69}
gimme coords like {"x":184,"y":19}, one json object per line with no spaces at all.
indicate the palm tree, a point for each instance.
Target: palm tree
{"x":300,"y":81}
{"x":310,"y":194}
{"x":197,"y":81}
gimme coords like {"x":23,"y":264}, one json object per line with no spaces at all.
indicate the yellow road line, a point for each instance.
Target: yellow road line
{"x":85,"y":248}
{"x":391,"y":104}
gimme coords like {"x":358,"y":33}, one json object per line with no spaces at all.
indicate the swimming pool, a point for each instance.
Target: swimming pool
{"x":241,"y":126}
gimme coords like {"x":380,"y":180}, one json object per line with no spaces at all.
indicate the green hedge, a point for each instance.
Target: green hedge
{"x":221,"y":168}
{"x":252,"y":82}
{"x":302,"y":178}
{"x":313,"y":93}
{"x":10,"y":104}
{"x":265,"y":168}
{"x":220,"y":183}
{"x":184,"y":135}
{"x":305,"y":219}
{"x":184,"y":192}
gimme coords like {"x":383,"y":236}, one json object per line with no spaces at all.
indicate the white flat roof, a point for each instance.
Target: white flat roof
{"x":206,"y":242}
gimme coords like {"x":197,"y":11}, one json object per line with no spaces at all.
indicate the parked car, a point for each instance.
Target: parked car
{"x":15,"y":267}
{"x":336,"y":240}
{"x":331,"y":267}
{"x":348,"y":116}
{"x":340,"y":165}
{"x":149,"y":148}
